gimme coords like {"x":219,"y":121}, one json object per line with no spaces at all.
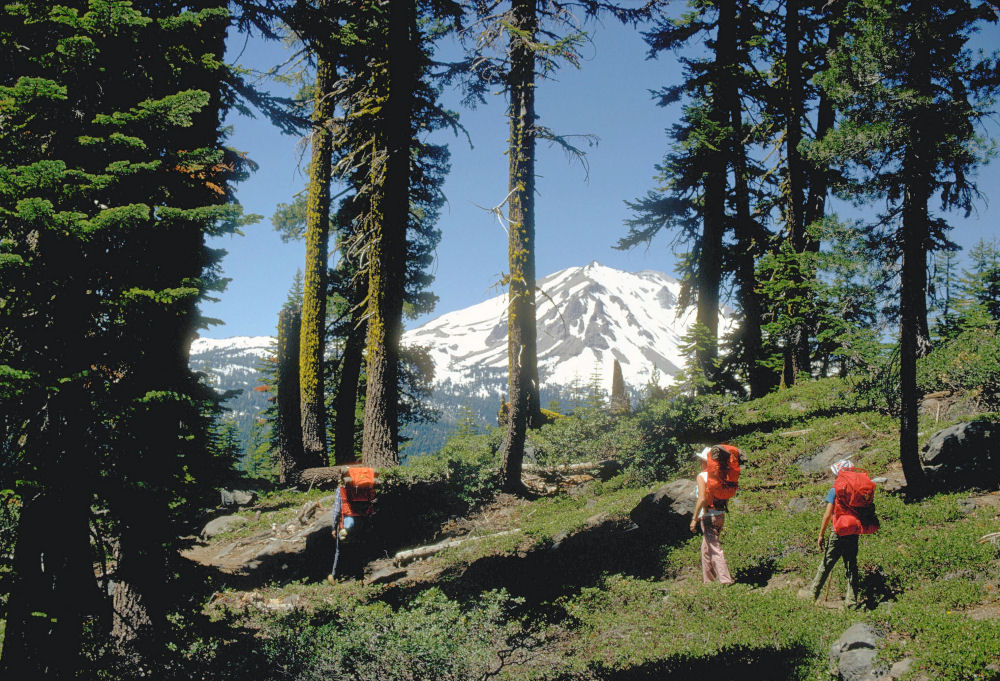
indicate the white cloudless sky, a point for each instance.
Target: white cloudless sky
{"x":579,"y":215}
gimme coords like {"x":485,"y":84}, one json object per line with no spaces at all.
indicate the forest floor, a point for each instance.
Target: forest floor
{"x":585,"y":594}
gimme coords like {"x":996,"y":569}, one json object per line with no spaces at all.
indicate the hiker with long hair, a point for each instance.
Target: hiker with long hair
{"x":716,"y":485}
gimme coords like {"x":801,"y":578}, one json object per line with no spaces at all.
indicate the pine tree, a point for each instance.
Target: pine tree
{"x":312,"y":344}
{"x":910,"y":93}
{"x":113,"y":173}
{"x":288,"y":419}
{"x":619,"y":402}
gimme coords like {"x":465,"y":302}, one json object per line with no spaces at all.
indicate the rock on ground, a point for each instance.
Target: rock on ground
{"x":852,"y":655}
{"x":668,"y":508}
{"x":963,"y":456}
{"x":226,"y":523}
{"x":831,"y":453}
{"x":236,"y":498}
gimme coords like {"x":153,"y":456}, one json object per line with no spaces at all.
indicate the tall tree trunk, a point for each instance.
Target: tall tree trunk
{"x":522,"y":359}
{"x":346,"y":398}
{"x":798,"y":341}
{"x":714,"y":210}
{"x":387,"y":257}
{"x":747,"y":231}
{"x":313,"y":328}
{"x":288,"y":419}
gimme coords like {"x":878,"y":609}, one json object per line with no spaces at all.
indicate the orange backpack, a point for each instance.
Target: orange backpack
{"x":854,"y":503}
{"x":358,"y":495}
{"x":723,"y":482}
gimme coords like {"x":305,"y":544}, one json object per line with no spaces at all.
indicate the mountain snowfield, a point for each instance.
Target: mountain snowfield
{"x":587,"y":317}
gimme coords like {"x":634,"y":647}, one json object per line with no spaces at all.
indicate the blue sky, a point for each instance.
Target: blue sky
{"x":578,"y":218}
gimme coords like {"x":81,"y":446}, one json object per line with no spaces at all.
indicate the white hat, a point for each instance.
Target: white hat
{"x":703,"y":454}
{"x":842,"y":465}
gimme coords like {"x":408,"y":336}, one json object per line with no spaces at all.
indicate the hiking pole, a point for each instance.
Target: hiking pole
{"x":336,"y":553}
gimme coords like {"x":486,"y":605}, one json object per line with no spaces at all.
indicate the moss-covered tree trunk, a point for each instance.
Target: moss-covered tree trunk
{"x":313,"y":328}
{"x":522,"y":358}
{"x":288,"y":421}
{"x":387,"y":223}
{"x":346,"y":398}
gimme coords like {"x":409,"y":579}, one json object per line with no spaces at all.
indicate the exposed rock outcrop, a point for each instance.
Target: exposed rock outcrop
{"x":964,"y":456}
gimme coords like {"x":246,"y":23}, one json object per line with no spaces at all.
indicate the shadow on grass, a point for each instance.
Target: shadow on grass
{"x":546,"y":573}
{"x":735,"y":663}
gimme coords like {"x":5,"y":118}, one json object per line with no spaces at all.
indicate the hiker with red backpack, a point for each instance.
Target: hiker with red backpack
{"x":717,"y":483}
{"x":353,"y":506}
{"x":850,"y":506}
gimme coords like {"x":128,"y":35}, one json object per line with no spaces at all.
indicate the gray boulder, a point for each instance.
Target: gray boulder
{"x":853,"y":654}
{"x":831,"y":453}
{"x":668,"y":508}
{"x":966,"y":455}
{"x":236,"y":498}
{"x":226,"y":523}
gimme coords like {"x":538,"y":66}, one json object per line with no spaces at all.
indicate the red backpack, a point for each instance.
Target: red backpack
{"x":723,"y":482}
{"x":854,"y":503}
{"x":356,"y":496}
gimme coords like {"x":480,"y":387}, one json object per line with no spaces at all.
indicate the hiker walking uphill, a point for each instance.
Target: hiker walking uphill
{"x":849,"y":504}
{"x":717,"y":483}
{"x":353,"y":506}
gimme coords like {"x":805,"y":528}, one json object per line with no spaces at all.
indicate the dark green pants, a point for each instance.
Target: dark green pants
{"x":847,"y":549}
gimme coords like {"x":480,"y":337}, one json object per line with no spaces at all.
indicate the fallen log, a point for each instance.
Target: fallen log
{"x":410,"y":555}
{"x":325,"y":476}
{"x":601,"y":469}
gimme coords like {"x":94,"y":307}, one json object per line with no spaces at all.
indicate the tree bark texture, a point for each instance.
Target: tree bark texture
{"x":312,"y":343}
{"x":748,"y":245}
{"x":714,"y":197}
{"x":914,"y":340}
{"x":522,"y":358}
{"x":289,"y":421}
{"x":386,"y":264}
{"x":346,"y":398}
{"x":795,"y":92}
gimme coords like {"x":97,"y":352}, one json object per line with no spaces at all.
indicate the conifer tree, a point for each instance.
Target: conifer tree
{"x":910,"y":93}
{"x":312,"y":344}
{"x":113,"y":173}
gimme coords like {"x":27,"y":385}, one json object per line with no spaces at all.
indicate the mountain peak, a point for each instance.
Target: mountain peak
{"x":587,"y":317}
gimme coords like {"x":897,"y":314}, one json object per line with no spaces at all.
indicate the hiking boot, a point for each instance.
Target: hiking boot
{"x":331,"y":579}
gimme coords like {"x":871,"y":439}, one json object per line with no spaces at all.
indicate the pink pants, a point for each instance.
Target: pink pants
{"x":713,"y":560}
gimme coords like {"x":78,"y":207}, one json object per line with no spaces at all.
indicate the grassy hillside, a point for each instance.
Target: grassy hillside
{"x":578,"y":593}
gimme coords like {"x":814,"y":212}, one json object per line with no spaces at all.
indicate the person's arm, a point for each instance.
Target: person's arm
{"x":698,"y":505}
{"x":826,"y":521}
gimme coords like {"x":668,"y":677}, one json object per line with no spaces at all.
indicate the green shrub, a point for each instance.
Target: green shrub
{"x":969,"y":362}
{"x":433,"y":637}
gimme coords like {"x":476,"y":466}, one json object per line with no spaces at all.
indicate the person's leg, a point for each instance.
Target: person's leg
{"x":707,"y":568}
{"x":849,"y":551}
{"x":713,"y":560}
{"x":718,"y":555}
{"x":826,"y":564}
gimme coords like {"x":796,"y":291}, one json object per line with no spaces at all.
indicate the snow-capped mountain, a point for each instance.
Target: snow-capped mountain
{"x":233,"y":364}
{"x":587,"y":317}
